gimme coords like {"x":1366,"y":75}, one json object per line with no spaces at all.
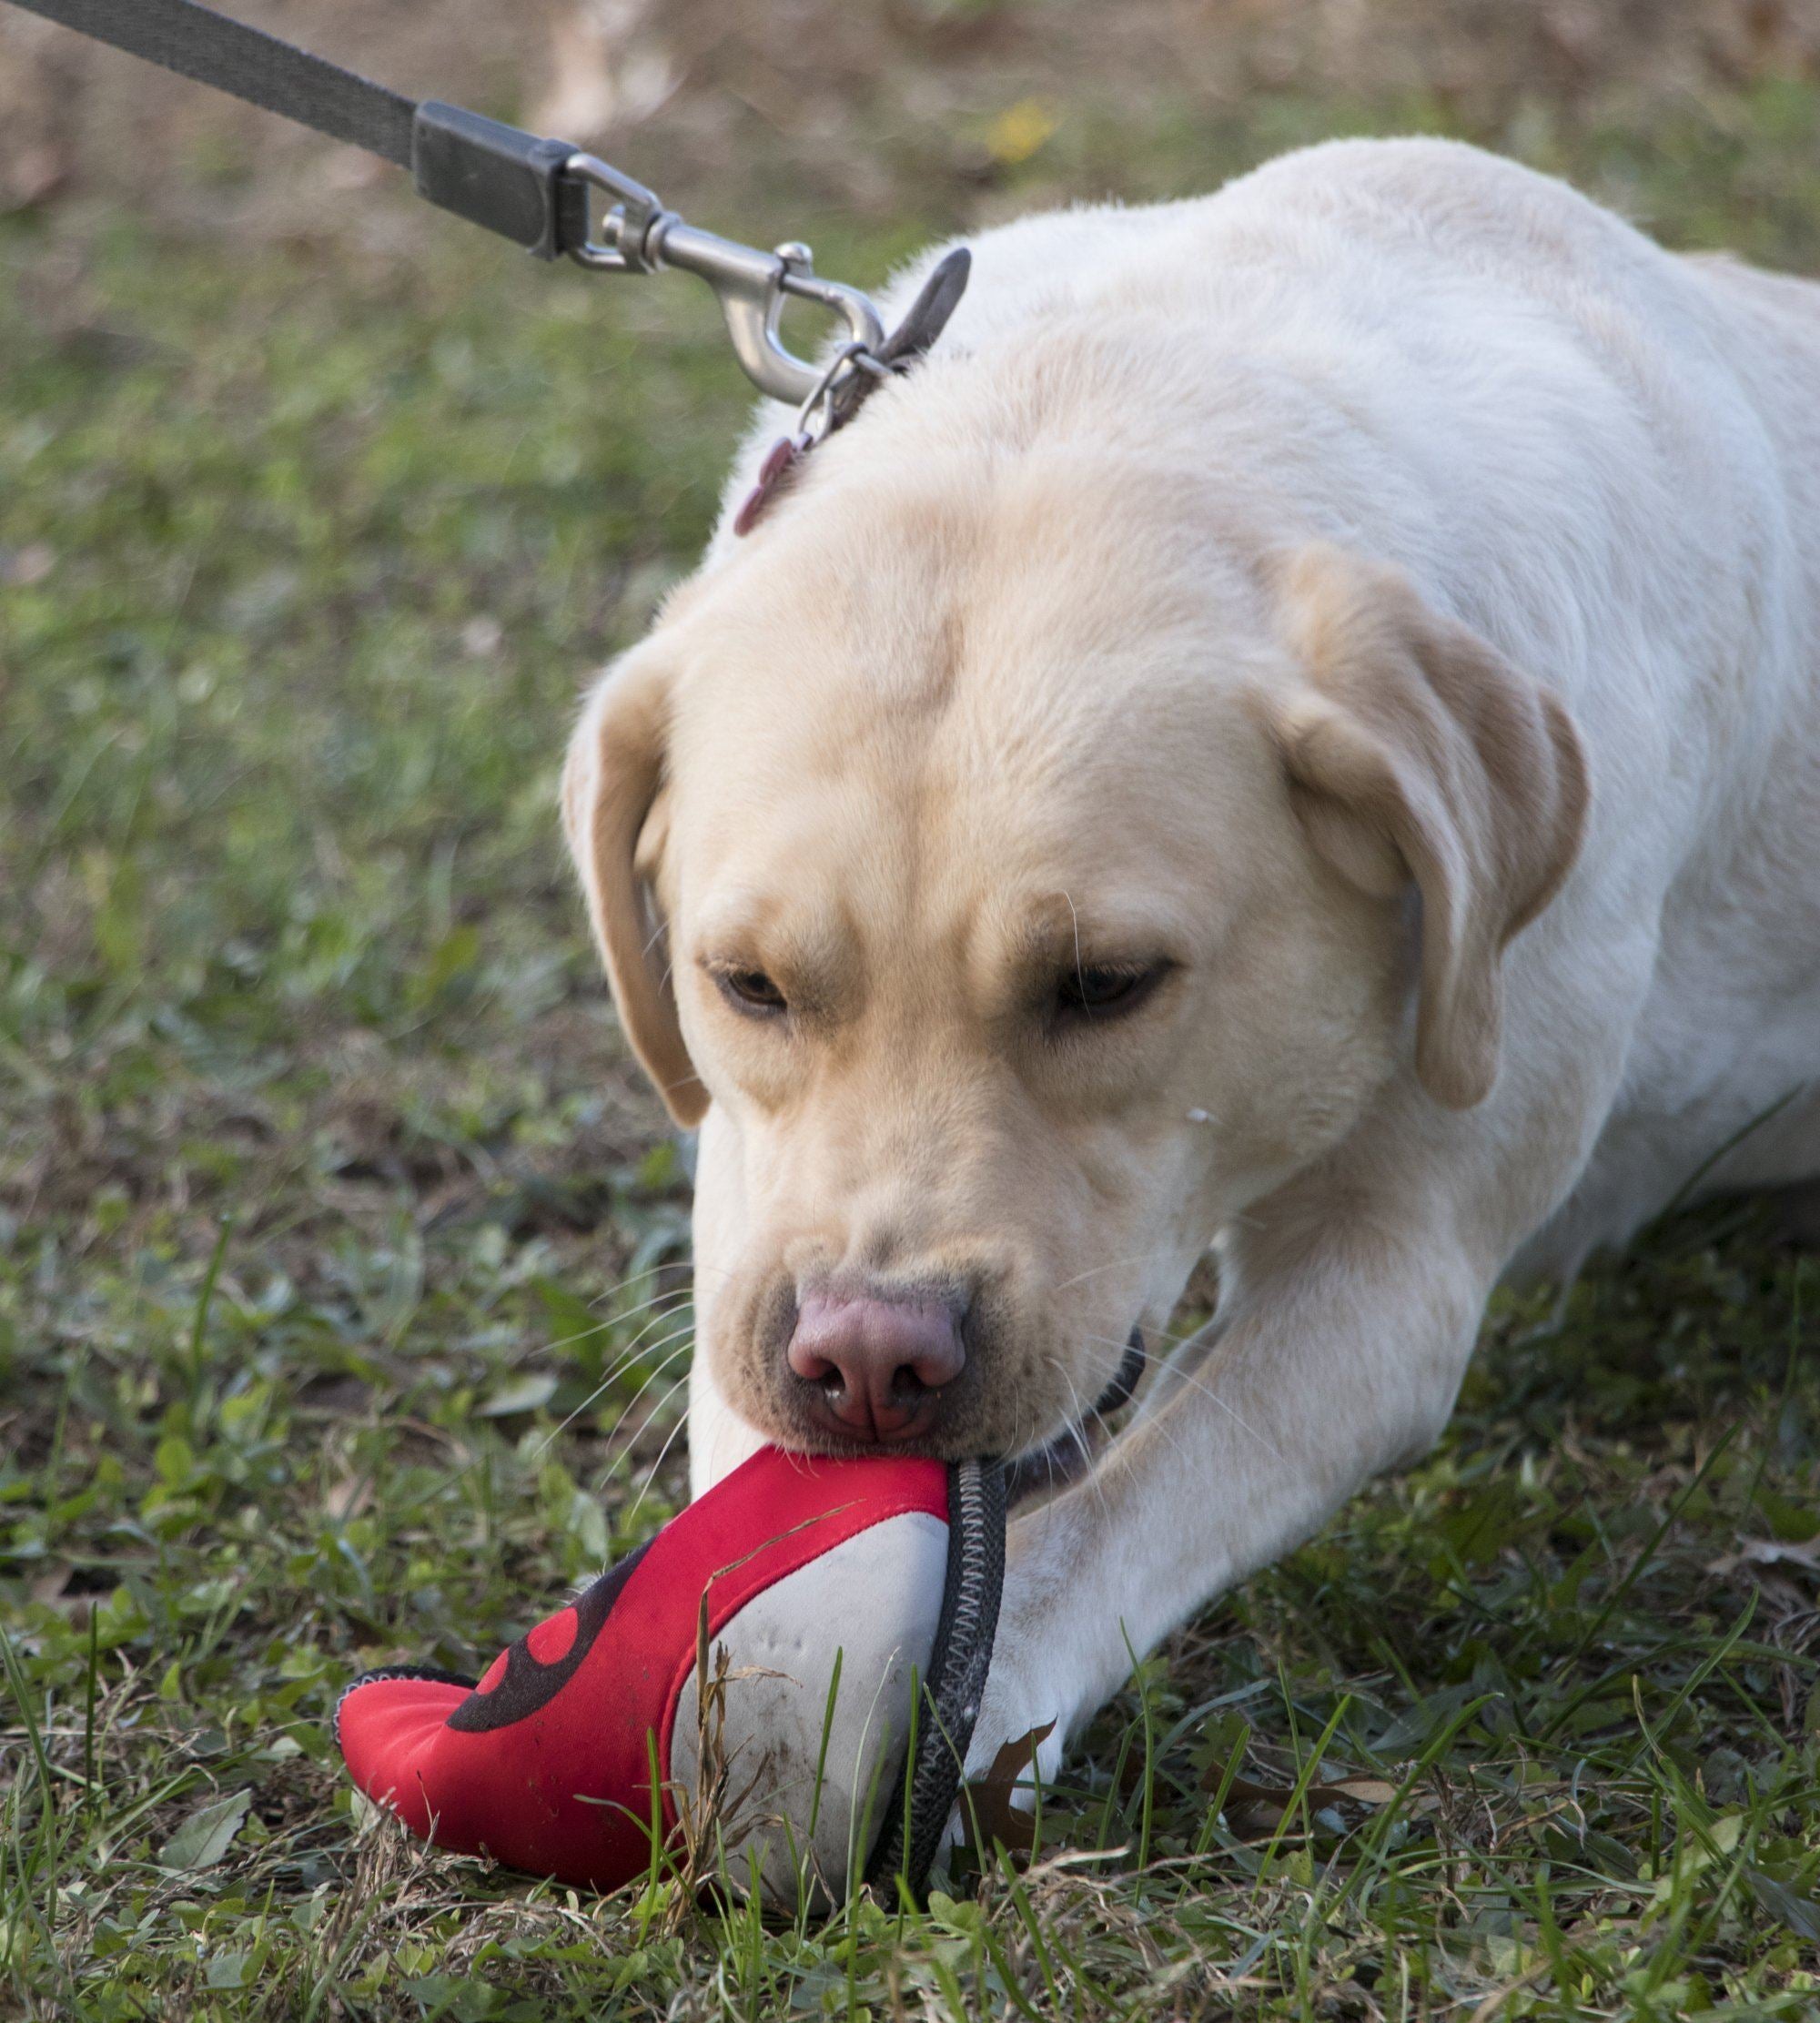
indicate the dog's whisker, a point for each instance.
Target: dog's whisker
{"x":615,"y":1321}
{"x":1075,"y":1428}
{"x":625,"y":1313}
{"x":627,"y":1283}
{"x":651,"y":1473}
{"x":1090,"y":1474}
{"x":625,"y":1363}
{"x":1075,"y":1431}
{"x":1163,"y":1335}
{"x":631,"y":1404}
{"x":580,"y":1334}
{"x":692,"y":1266}
{"x":1196,"y":1381}
{"x":637,"y":1345}
{"x":1110,"y":1435}
{"x":684,"y":1335}
{"x":607,"y":1382}
{"x":1143,"y":1257}
{"x":619,"y":1460}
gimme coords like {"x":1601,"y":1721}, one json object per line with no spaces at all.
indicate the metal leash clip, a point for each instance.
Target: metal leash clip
{"x":532,"y":190}
{"x":639,"y":236}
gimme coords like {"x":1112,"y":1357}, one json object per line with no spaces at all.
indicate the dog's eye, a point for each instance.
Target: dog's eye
{"x":1095,"y":989}
{"x":750,"y":990}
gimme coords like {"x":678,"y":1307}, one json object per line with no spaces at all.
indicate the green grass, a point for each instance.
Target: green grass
{"x":342,"y":1287}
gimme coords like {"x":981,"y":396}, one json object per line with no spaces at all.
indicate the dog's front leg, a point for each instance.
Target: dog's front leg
{"x":1343,"y":1355}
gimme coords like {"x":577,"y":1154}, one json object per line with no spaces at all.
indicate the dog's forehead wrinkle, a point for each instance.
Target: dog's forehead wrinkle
{"x":939,"y":844}
{"x":894,"y":568}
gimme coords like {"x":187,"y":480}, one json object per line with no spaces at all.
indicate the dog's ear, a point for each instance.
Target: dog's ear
{"x":1415,"y":751}
{"x":614,"y":816}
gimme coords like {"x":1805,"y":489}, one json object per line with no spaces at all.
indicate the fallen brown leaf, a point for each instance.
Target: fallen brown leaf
{"x":1769,"y":1552}
{"x":992,"y":1814}
{"x":1255,"y":1809}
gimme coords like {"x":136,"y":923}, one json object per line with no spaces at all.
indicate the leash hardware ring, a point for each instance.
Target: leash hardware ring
{"x":631,"y":211}
{"x":815,"y":417}
{"x":640,"y":237}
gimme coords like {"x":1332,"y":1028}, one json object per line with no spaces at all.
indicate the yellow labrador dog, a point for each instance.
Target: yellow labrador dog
{"x":1297,"y":729}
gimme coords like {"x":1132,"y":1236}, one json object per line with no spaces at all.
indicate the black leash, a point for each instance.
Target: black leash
{"x":491,"y":174}
{"x":533,"y":191}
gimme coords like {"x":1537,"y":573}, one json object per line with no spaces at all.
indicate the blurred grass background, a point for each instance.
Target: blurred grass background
{"x":342,"y":1260}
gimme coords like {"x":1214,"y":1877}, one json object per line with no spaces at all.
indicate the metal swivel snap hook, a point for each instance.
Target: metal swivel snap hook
{"x":640,"y":237}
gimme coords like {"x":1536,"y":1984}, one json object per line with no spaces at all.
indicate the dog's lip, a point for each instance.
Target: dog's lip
{"x":804,"y":1421}
{"x":902,"y":1438}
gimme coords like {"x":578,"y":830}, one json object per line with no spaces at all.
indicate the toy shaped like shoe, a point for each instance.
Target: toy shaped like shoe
{"x":857,"y":1601}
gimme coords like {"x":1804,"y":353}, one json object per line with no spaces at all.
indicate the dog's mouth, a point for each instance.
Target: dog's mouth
{"x":1072,"y":1453}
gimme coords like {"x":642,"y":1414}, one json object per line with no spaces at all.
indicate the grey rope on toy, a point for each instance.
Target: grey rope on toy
{"x":956,"y":1684}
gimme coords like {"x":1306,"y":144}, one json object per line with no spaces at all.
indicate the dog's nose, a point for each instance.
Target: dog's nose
{"x":877,"y":1364}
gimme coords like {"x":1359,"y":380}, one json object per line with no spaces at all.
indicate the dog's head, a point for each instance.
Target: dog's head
{"x":1015,"y":882}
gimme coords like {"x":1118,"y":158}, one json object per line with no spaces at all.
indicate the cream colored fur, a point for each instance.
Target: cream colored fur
{"x":1390,"y":589}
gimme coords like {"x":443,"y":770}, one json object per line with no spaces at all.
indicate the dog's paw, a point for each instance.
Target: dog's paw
{"x":1017,"y":1749}
{"x":1016,"y":1721}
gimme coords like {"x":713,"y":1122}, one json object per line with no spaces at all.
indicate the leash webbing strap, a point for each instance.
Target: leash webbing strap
{"x":214,"y":49}
{"x":493,"y":174}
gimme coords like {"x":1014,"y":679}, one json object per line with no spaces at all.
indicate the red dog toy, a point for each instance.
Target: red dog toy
{"x":889,"y":1569}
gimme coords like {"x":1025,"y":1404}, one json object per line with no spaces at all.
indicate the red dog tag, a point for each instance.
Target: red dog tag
{"x":778,"y":467}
